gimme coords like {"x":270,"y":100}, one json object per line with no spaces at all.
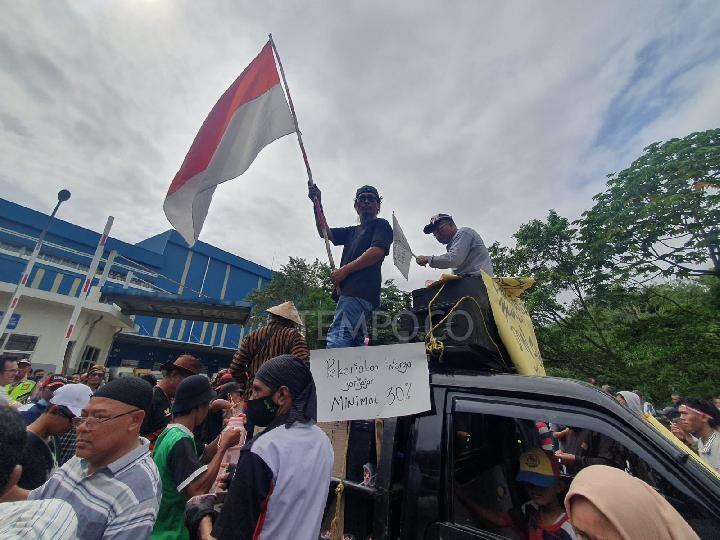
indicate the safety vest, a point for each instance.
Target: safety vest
{"x":170,"y":522}
{"x":21,"y":391}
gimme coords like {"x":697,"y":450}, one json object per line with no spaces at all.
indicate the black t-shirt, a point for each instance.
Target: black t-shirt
{"x":37,"y":462}
{"x":357,"y":240}
{"x":183,"y":463}
{"x":159,"y":415}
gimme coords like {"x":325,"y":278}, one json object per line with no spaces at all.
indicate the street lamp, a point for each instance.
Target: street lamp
{"x":62,"y":196}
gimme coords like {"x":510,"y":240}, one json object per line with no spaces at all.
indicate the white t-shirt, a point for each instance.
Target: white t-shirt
{"x":301,"y":459}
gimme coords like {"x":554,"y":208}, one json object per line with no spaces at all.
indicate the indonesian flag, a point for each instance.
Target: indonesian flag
{"x":251,"y":114}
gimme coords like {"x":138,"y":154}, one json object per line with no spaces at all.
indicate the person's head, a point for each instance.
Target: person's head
{"x":76,"y":378}
{"x":12,"y":448}
{"x":174,"y":372}
{"x":442,"y":227}
{"x":283,"y":386}
{"x":9,"y":371}
{"x":66,"y":403}
{"x":24,"y":368}
{"x":676,"y":399}
{"x":231,"y":391}
{"x":696,"y":414}
{"x":285,"y":313}
{"x":95,"y":377}
{"x":38,"y":375}
{"x":192,"y":399}
{"x":593,"y":381}
{"x":716,"y":401}
{"x":607,"y":389}
{"x":109,"y":426}
{"x":640,"y":395}
{"x":149,"y":377}
{"x":630,"y":400}
{"x":50,"y":385}
{"x":367,"y":203}
{"x":606,"y":503}
{"x":540,"y":474}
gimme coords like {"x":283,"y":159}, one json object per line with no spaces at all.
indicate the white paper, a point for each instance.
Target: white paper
{"x":361,"y":383}
{"x":402,"y":253}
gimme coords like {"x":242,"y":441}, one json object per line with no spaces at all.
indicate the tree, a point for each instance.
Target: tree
{"x":548,"y":251}
{"x":661,"y":215}
{"x":308,"y":285}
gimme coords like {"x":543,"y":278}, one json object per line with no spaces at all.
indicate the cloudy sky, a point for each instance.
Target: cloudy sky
{"x":493,"y":111}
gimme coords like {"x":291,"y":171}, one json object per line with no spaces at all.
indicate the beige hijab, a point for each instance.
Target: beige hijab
{"x":635,"y":509}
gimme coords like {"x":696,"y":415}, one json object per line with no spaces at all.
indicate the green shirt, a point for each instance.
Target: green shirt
{"x":176,"y":458}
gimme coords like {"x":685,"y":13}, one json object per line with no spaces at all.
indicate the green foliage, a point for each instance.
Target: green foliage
{"x":661,"y":215}
{"x":308,"y":286}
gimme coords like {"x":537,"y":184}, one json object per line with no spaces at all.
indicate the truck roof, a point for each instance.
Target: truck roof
{"x":549,"y":387}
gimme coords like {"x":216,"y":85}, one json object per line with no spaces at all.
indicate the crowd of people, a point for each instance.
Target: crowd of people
{"x":133,"y":458}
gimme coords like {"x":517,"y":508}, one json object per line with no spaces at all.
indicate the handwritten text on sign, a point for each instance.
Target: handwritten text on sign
{"x":360,"y":383}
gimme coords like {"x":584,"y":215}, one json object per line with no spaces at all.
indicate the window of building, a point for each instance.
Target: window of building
{"x":20,"y":343}
{"x":90,"y":355}
{"x":486,"y":450}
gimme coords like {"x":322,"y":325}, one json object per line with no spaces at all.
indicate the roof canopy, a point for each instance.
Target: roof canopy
{"x":173,"y":306}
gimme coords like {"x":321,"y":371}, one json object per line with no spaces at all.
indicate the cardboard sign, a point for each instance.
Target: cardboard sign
{"x":514,"y":324}
{"x":360,"y":383}
{"x":402,"y":254}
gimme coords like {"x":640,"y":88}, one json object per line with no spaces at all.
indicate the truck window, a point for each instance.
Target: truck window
{"x":486,"y":451}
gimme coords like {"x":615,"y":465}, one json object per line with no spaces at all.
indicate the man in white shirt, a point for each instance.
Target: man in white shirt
{"x":466,"y":251}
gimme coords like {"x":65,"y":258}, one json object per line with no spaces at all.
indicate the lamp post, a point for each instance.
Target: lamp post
{"x":62,"y":196}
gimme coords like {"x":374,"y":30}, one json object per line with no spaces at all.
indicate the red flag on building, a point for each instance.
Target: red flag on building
{"x":251,"y":114}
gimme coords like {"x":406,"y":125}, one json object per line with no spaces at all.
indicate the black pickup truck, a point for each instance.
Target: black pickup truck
{"x":478,"y":426}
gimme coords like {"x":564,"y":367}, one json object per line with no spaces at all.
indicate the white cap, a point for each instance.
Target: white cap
{"x":72,"y":396}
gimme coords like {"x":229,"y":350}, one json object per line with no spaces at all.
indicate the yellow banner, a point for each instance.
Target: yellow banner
{"x":513,"y":321}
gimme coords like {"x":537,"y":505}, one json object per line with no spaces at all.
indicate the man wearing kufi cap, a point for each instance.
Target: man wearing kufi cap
{"x":280,"y":336}
{"x":112,"y":482}
{"x":359,"y":279}
{"x":466,"y":251}
{"x":281,"y":483}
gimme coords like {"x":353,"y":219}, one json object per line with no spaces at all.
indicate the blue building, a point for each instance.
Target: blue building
{"x":161,"y":265}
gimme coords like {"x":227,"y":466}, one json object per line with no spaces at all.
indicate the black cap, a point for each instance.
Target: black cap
{"x":192,"y":391}
{"x":367,"y":189}
{"x":131,"y":390}
{"x":438,"y":218}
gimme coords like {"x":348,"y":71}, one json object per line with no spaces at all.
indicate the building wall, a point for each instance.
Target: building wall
{"x":160,"y":263}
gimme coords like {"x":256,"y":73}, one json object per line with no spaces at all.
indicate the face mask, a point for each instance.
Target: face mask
{"x":43,"y":402}
{"x":261,"y":411}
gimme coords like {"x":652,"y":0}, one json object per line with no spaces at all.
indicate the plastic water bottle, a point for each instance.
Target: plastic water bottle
{"x":233,"y":453}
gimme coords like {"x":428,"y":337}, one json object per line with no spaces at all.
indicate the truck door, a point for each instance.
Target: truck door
{"x":486,"y":435}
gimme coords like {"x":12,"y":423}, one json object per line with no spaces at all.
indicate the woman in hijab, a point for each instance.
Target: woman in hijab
{"x":631,"y":400}
{"x":604,"y":502}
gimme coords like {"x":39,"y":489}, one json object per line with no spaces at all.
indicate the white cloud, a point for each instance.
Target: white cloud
{"x":490,"y":111}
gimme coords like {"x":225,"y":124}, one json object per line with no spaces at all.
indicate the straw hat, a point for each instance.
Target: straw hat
{"x":286,"y":310}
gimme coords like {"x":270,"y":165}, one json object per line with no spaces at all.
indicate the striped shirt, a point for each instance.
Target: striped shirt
{"x":42,"y":520}
{"x":266,"y":343}
{"x":119,"y":501}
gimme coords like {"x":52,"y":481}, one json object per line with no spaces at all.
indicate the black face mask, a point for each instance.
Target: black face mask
{"x":261,"y":411}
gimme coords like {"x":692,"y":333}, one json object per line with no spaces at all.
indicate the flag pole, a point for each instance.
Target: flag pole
{"x":318,"y":209}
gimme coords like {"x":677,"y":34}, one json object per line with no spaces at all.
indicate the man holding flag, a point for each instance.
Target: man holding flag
{"x":359,"y":278}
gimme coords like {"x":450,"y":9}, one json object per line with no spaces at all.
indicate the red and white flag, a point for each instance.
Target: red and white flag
{"x":251,"y":114}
